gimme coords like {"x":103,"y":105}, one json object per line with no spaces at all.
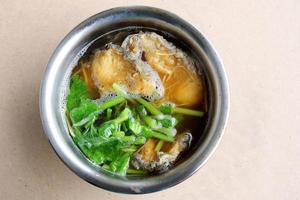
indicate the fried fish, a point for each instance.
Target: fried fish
{"x":176,"y":69}
{"x":112,"y":65}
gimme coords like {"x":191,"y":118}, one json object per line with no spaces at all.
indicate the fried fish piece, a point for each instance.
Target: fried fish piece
{"x":182,"y":83}
{"x":114,"y":66}
{"x":147,"y":158}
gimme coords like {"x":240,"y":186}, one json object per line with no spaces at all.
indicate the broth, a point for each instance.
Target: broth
{"x":178,"y":85}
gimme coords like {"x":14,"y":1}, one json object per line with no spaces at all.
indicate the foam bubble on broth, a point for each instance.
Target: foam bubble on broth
{"x":66,"y":79}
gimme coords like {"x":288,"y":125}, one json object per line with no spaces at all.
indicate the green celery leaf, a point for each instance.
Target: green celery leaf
{"x":86,"y":108}
{"x":78,"y":90}
{"x":141,"y":110}
{"x":134,"y":126}
{"x":108,"y":128}
{"x":121,"y":164}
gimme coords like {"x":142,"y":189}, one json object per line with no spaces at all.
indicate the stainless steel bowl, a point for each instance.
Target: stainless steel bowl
{"x":104,"y":25}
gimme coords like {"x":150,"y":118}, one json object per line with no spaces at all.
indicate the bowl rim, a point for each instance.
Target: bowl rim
{"x":165,"y":180}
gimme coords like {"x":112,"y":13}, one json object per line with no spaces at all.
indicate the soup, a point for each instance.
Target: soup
{"x":134,"y":107}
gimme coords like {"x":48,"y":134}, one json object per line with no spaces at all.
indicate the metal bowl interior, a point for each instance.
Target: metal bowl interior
{"x":104,"y":27}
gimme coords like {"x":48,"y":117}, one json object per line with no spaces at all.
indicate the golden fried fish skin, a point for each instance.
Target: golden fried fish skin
{"x":113,"y":66}
{"x":182,"y":83}
{"x":147,"y":158}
